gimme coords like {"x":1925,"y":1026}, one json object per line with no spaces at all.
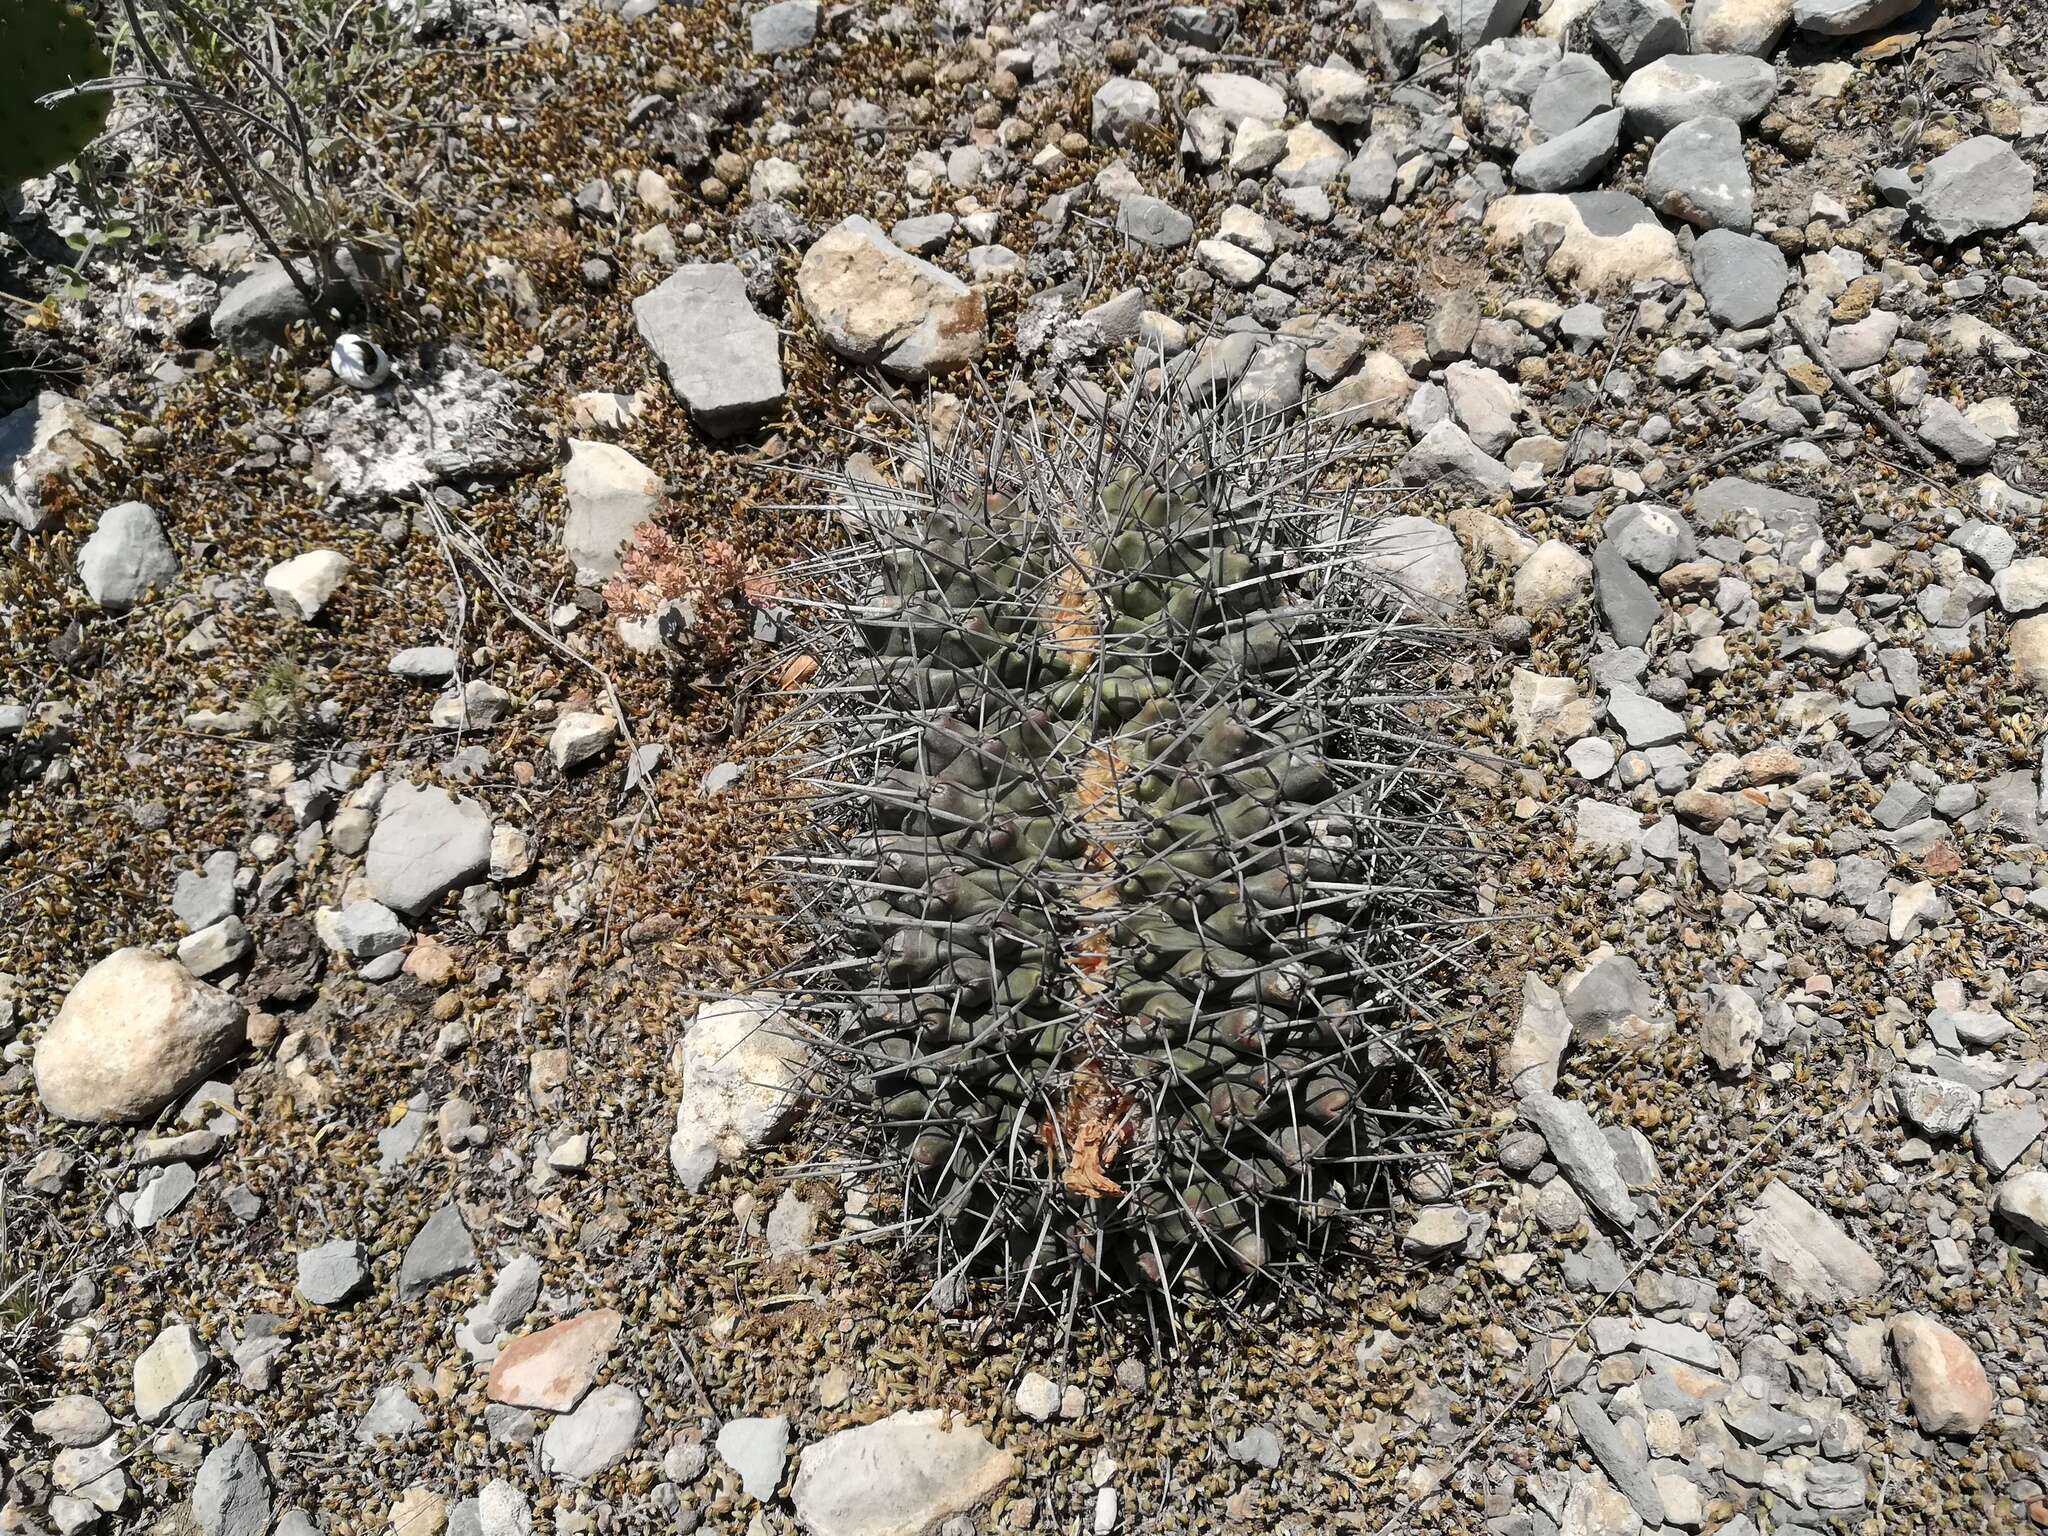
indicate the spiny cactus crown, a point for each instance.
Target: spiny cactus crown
{"x":1135,"y":850}
{"x":45,"y":45}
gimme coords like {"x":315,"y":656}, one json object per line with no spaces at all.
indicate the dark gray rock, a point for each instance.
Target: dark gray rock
{"x":1628,"y":1468}
{"x":1632,"y":33}
{"x":1571,"y":159}
{"x":257,"y":312}
{"x":1697,"y":174}
{"x":1979,"y":186}
{"x":722,"y":359}
{"x":1582,"y":1153}
{"x":1628,"y":605}
{"x":442,"y":1247}
{"x":1680,"y":87}
{"x":1398,"y":31}
{"x":1741,"y":279}
{"x":1577,"y":88}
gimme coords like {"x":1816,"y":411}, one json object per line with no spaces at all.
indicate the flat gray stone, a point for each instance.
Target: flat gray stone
{"x":910,"y":1472}
{"x":1741,"y":279}
{"x":1628,"y":1468}
{"x":784,"y":26}
{"x":1399,"y":31}
{"x":1582,"y":1153}
{"x":441,"y":1248}
{"x":1154,"y":223}
{"x":757,"y":1449}
{"x":1949,"y":432}
{"x":1846,"y":18}
{"x":1475,"y":23}
{"x":231,"y":1495}
{"x":722,"y":359}
{"x":331,"y":1273}
{"x":1632,"y":33}
{"x":392,"y":1415}
{"x":1680,"y":87}
{"x":1628,"y":605}
{"x":2003,"y":1136}
{"x":426,"y":844}
{"x":200,"y":898}
{"x":1576,"y":89}
{"x":1446,"y":456}
{"x":1805,"y":1250}
{"x":1981,"y":185}
{"x":125,"y":557}
{"x":1697,"y":174}
{"x":598,"y":1435}
{"x":1642,"y":721}
{"x":1573,"y":158}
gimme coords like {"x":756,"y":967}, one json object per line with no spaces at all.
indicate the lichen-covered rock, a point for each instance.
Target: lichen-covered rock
{"x":877,"y":304}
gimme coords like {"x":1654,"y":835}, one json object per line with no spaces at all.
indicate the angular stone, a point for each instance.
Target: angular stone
{"x":876,"y":304}
{"x":1530,"y":1063}
{"x":784,"y":26}
{"x":1547,"y":709}
{"x":1805,"y":1250}
{"x":1642,"y":721}
{"x":1238,"y":97}
{"x":1570,"y":159}
{"x":610,"y":493}
{"x":1616,"y":1456}
{"x":43,"y":447}
{"x":231,"y":1495}
{"x":1475,"y":23}
{"x":743,"y":1072}
{"x":1846,"y":18}
{"x":1123,"y":104}
{"x":426,"y":843}
{"x":1632,"y":33}
{"x":440,"y":1249}
{"x":1609,"y":238}
{"x":1944,"y":1381}
{"x":1979,"y":186}
{"x":1933,"y":1105}
{"x":1399,"y":31}
{"x":551,"y":1369}
{"x":596,"y":1436}
{"x":2003,"y":1136}
{"x":136,"y":1032}
{"x":905,"y":1475}
{"x":722,"y":359}
{"x":2021,"y":1201}
{"x":126,"y":556}
{"x":1739,"y":26}
{"x":1419,"y":558}
{"x":174,"y":1366}
{"x":1680,"y":87}
{"x":1628,"y":605}
{"x":1585,"y":1156}
{"x":301,"y":586}
{"x":1949,"y":432}
{"x":1445,"y":456}
{"x":1575,"y":90}
{"x":757,"y":1449}
{"x":1153,"y":223}
{"x":1697,"y":174}
{"x":1740,"y":279}
{"x":330,"y":1273}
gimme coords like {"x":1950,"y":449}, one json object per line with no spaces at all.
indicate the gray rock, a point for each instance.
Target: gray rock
{"x":231,"y":1495}
{"x":1739,"y":26}
{"x":427,"y":664}
{"x":1949,"y":432}
{"x":722,"y":359}
{"x":1980,"y":185}
{"x":1651,"y":538}
{"x":1334,"y":95}
{"x":1258,"y":1446}
{"x":442,"y":1247}
{"x":1201,"y":26}
{"x":924,"y":234}
{"x":1933,"y":1105}
{"x":784,"y":26}
{"x":125,"y":557}
{"x":757,"y":1449}
{"x":1845,"y":18}
{"x":1399,"y":31}
{"x":502,"y":1510}
{"x":392,"y":1415}
{"x":1805,"y":1250}
{"x":923,"y":1468}
{"x":43,"y":446}
{"x":72,"y":1421}
{"x":1628,"y":605}
{"x":1617,"y":1457}
{"x":257,"y":312}
{"x":1573,"y":158}
{"x":1582,"y":1153}
{"x":1421,"y":559}
{"x":365,"y":929}
{"x":174,"y":1366}
{"x":1122,"y":105}
{"x":202,"y":898}
{"x":1475,"y":23}
{"x":604,"y":1427}
{"x":330,"y":1273}
{"x":426,"y":843}
{"x":1697,"y":174}
{"x":1643,"y":722}
{"x":1576,"y":89}
{"x":1904,"y":801}
{"x":1270,"y":387}
{"x":1632,"y":33}
{"x":1154,"y":223}
{"x":1446,"y":456}
{"x":2003,"y":1136}
{"x":162,"y":1195}
{"x":1741,"y":279}
{"x":1678,"y":88}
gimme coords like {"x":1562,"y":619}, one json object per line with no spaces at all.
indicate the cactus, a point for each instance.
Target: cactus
{"x":1133,"y":858}
{"x":45,"y":46}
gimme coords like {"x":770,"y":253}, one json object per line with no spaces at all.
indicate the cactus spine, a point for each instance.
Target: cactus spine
{"x":1133,"y":854}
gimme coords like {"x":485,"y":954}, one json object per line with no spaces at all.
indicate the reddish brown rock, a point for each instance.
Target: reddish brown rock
{"x":552,"y":1369}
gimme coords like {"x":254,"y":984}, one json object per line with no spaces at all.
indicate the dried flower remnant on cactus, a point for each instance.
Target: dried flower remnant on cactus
{"x":1133,"y":861}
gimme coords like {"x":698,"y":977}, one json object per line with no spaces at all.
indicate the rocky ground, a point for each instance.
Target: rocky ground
{"x":385,"y":775}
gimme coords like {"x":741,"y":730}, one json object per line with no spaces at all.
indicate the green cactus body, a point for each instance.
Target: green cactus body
{"x":1135,"y":852}
{"x":45,"y":46}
